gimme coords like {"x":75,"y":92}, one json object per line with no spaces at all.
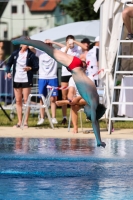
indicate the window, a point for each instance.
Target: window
{"x":25,"y":33}
{"x":47,"y":21}
{"x":5,"y":34}
{"x":14,"y":9}
{"x":23,"y":9}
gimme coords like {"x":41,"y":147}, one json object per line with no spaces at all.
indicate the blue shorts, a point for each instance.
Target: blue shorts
{"x":43,"y":83}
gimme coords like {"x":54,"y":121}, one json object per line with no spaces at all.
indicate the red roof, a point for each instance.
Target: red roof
{"x":42,"y":5}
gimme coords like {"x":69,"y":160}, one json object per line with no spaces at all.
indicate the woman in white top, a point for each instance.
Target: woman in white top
{"x":24,"y":64}
{"x":92,"y":61}
{"x":47,"y":76}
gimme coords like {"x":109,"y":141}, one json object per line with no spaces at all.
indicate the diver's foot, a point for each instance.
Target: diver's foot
{"x":102,"y":144}
{"x":19,"y":40}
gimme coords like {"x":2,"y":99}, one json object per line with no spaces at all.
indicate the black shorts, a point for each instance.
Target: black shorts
{"x":96,"y":83}
{"x":65,"y":79}
{"x":22,"y":85}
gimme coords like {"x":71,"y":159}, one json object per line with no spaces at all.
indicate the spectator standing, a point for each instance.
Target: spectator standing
{"x":47,"y":76}
{"x":24,"y":64}
{"x":73,"y":48}
{"x":2,"y":53}
{"x":92,"y":60}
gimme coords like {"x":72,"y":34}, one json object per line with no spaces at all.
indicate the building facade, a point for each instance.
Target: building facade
{"x":27,"y":17}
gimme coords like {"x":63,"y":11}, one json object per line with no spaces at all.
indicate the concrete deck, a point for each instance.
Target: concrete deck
{"x":62,"y":133}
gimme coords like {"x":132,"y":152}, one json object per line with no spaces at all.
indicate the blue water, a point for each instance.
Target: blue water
{"x":65,"y":169}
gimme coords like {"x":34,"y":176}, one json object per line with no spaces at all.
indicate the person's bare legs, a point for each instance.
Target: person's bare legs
{"x":62,"y":102}
{"x":90,"y":112}
{"x":74,"y":112}
{"x":18,"y":97}
{"x":42,"y":110}
{"x":82,"y":102}
{"x":64,"y":97}
{"x":53,"y":106}
{"x":127,"y":14}
{"x":26,"y":92}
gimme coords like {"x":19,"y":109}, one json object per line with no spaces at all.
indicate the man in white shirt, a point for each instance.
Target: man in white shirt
{"x":21,"y":66}
{"x":73,"y":48}
{"x":92,"y":60}
{"x":47,"y":76}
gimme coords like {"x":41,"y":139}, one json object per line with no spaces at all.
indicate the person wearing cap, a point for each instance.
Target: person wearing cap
{"x":73,"y":48}
{"x":127,"y":14}
{"x":20,"y":67}
{"x":87,"y":43}
{"x":92,"y":60}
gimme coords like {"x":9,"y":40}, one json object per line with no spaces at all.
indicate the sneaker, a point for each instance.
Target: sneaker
{"x":87,"y":120}
{"x":129,"y":36}
{"x":64,"y":121}
{"x":16,"y":126}
{"x":41,"y":120}
{"x":54,"y":121}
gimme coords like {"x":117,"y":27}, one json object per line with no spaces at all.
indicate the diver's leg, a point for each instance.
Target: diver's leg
{"x":91,"y":113}
{"x":74,"y":111}
{"x":59,"y":56}
{"x":95,"y":125}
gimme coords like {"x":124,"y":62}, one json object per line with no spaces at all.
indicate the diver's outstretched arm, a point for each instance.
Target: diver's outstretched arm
{"x":59,"y":56}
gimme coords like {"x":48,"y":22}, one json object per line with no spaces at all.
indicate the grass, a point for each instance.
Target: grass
{"x":4,"y":121}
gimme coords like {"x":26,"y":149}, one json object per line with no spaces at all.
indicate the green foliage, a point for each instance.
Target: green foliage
{"x":80,"y":10}
{"x":2,"y":7}
{"x":30,"y":28}
{"x":118,"y":82}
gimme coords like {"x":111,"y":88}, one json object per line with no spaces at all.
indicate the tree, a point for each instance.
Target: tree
{"x":2,"y":7}
{"x":80,"y":10}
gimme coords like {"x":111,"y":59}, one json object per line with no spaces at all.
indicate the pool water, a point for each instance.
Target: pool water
{"x":65,"y":169}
